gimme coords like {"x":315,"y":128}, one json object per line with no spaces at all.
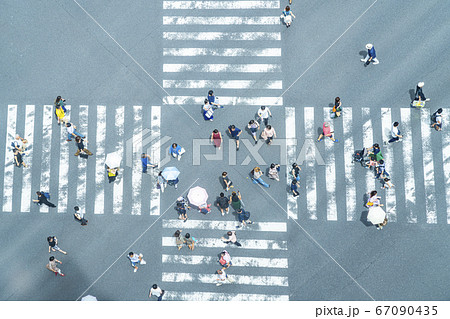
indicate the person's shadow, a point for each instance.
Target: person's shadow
{"x":412,"y":94}
{"x":365,"y":212}
{"x":363,"y":54}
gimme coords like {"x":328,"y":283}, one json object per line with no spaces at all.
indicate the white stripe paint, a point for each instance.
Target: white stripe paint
{"x":217,"y":5}
{"x":100,"y":156}
{"x":349,"y":167}
{"x":330,"y":171}
{"x":136,"y":162}
{"x":410,"y":193}
{"x":428,"y":166}
{"x":47,"y":150}
{"x":263,"y":52}
{"x":386,"y":124}
{"x":9,"y":159}
{"x":446,"y":157}
{"x":368,"y":142}
{"x":222,"y":67}
{"x":308,"y":170}
{"x":291,"y":151}
{"x":29,"y":136}
{"x":246,"y":243}
{"x":63,"y":181}
{"x":194,"y":20}
{"x":118,"y":184}
{"x":224,"y":100}
{"x":237,"y":261}
{"x":211,"y":279}
{"x":155,"y":150}
{"x":214,"y":296}
{"x":222,"y":36}
{"x":231,"y":84}
{"x":222,"y":225}
{"x":82,"y":163}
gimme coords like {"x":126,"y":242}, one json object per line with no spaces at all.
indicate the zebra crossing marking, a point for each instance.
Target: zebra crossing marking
{"x":410,"y":192}
{"x":155,"y":195}
{"x":386,"y":123}
{"x":45,"y":162}
{"x":9,"y":158}
{"x":222,"y":225}
{"x":230,"y":84}
{"x":330,"y":173}
{"x":215,"y":5}
{"x":82,"y":163}
{"x":63,"y":185}
{"x":193,"y":20}
{"x":136,"y":169}
{"x":309,"y":171}
{"x":25,"y":202}
{"x":231,"y":52}
{"x":428,"y":166}
{"x":224,"y":100}
{"x":222,"y":36}
{"x":214,"y":296}
{"x":180,"y":277}
{"x":237,"y":261}
{"x":446,"y":158}
{"x":262,"y":244}
{"x":291,"y":150}
{"x":222,"y":67}
{"x":99,"y":205}
{"x":349,"y":167}
{"x":118,"y":185}
{"x":368,"y":142}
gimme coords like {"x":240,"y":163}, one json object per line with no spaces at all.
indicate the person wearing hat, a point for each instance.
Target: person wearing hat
{"x":419,"y":96}
{"x":371,"y":54}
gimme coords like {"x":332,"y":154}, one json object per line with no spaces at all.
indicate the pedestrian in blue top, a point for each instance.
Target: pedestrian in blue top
{"x":371,"y":55}
{"x":294,"y":188}
{"x":176,"y":151}
{"x":235,"y":132}
{"x":145,"y":159}
{"x":212,"y":99}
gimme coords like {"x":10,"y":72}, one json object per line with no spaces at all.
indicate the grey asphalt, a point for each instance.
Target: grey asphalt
{"x":61,"y":51}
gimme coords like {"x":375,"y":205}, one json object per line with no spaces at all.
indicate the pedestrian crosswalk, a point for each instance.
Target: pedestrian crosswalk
{"x":205,"y":42}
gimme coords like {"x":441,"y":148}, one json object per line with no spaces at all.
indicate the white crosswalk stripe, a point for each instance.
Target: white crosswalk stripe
{"x":446,"y":158}
{"x":29,"y":136}
{"x":180,"y":20}
{"x":82,"y":164}
{"x":47,"y":144}
{"x":9,"y":159}
{"x":247,"y":243}
{"x":63,"y":185}
{"x":180,"y":277}
{"x":309,"y":170}
{"x":349,"y":167}
{"x":118,"y":185}
{"x":229,"y":52}
{"x":218,"y":5}
{"x":330,"y":172}
{"x":100,"y":160}
{"x":215,"y":296}
{"x":237,"y":261}
{"x":291,"y":150}
{"x":222,"y":225}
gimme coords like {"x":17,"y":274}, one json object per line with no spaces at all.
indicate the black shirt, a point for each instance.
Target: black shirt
{"x":80,"y":145}
{"x":223,"y":202}
{"x":52,"y":243}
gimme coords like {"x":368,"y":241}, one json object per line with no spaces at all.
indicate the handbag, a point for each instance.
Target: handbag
{"x":182,"y":151}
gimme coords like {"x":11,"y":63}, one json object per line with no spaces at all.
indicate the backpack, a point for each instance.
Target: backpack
{"x":47,"y":195}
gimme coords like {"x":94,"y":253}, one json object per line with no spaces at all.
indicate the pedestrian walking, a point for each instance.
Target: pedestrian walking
{"x":205,"y":208}
{"x":173,"y":182}
{"x":216,"y":138}
{"x":371,"y":55}
{"x":380,"y":226}
{"x":59,"y":101}
{"x":182,"y":212}
{"x":296,"y":171}
{"x":419,"y":96}
{"x":19,"y":143}
{"x":380,"y":169}
{"x":273,"y":171}
{"x":223,"y":203}
{"x":156,"y":291}
{"x":395,"y":134}
{"x":268,"y":134}
{"x":227,"y":183}
{"x":375,"y":154}
{"x":387,"y":183}
{"x":374,"y":199}
{"x":208,"y":111}
{"x":256,"y":177}
{"x":436,"y":119}
{"x":222,"y":277}
{"x":179,"y":239}
{"x":72,"y":131}
{"x":60,"y":114}
{"x":161,"y":183}
{"x":136,"y":259}
{"x":232,"y":238}
{"x":176,"y":151}
{"x":81,"y":148}
{"x":43,"y":199}
{"x":326,"y":131}
{"x":287,"y":16}
{"x":79,"y":216}
{"x":52,"y":266}
{"x":244,"y":218}
{"x":235,"y":200}
{"x":263,"y":115}
{"x":225,"y":260}
{"x":337,"y":109}
{"x":53,"y":245}
{"x":190,"y":241}
{"x":112,"y":174}
{"x":145,"y":160}
{"x":253,"y":126}
{"x":18,"y":160}
{"x":294,"y":188}
{"x":235,"y":132}
{"x":213,"y":100}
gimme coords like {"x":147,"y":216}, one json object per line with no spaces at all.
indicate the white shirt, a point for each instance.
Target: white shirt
{"x":227,"y":257}
{"x":70,"y":129}
{"x":263,"y":113}
{"x":394,"y":131}
{"x":222,"y":276}
{"x":232,"y":238}
{"x":157,"y":292}
{"x":135,"y":258}
{"x":438,"y":118}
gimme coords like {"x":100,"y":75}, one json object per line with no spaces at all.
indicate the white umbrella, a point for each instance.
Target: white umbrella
{"x":197,"y":196}
{"x":89,"y":298}
{"x":376,"y":215}
{"x":113,"y":160}
{"x":170,"y":173}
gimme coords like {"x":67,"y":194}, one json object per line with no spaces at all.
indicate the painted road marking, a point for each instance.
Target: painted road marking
{"x":263,"y":52}
{"x":222,"y":36}
{"x":183,"y":20}
{"x":349,"y":167}
{"x":291,"y":152}
{"x":179,"y":277}
{"x":136,"y":161}
{"x":330,"y":171}
{"x":214,"y":296}
{"x":217,"y":5}
{"x":100,"y":157}
{"x":224,"y":100}
{"x":231,"y":84}
{"x":29,"y":136}
{"x":221,"y":67}
{"x":155,"y":196}
{"x":118,"y":185}
{"x":63,"y":192}
{"x":308,"y":169}
{"x":47,"y":145}
{"x":222,"y":225}
{"x":9,"y":158}
{"x":246,"y":243}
